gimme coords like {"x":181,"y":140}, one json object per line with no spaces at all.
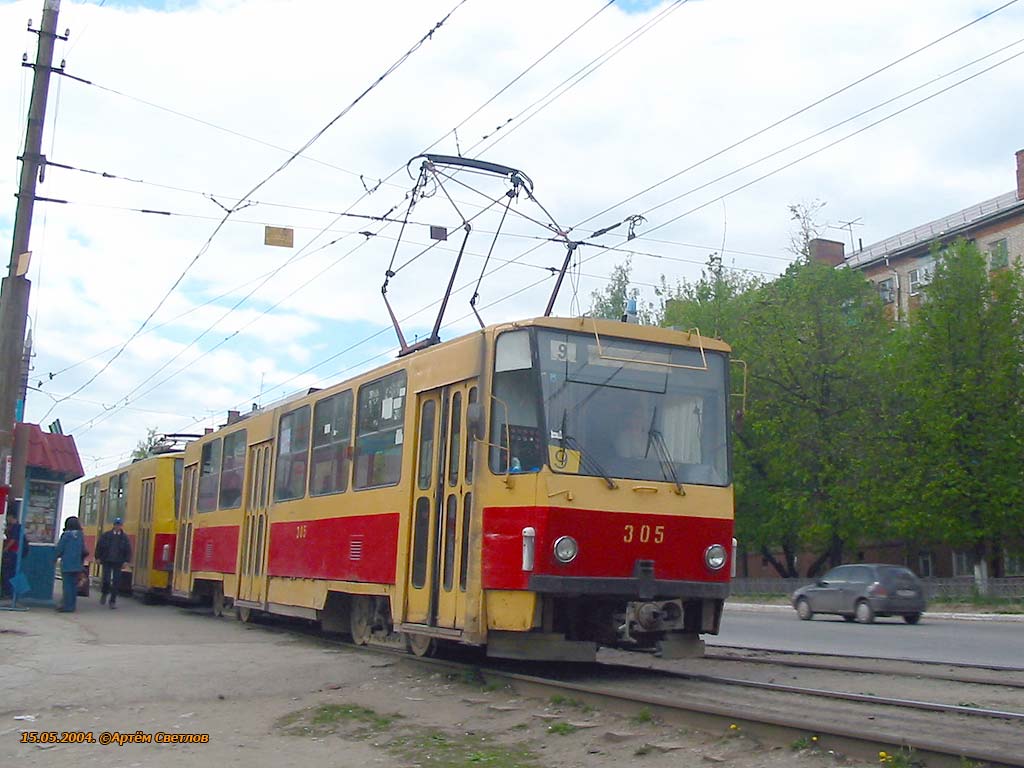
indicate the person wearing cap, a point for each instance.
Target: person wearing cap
{"x":113,"y":550}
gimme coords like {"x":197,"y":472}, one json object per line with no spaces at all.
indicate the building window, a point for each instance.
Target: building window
{"x":380,"y":416}
{"x":920,"y":277}
{"x":292,"y":455}
{"x":332,"y":444}
{"x":963,"y":564}
{"x":887,"y":290}
{"x":998,"y":254}
{"x":232,"y":470}
{"x":925,"y":568}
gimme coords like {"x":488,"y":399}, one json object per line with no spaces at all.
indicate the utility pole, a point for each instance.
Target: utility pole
{"x":14,"y":292}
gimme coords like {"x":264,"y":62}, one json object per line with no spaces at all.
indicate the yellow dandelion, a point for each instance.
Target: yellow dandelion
{"x":882,"y":756}
{"x":734,"y":727}
{"x":814,"y":738}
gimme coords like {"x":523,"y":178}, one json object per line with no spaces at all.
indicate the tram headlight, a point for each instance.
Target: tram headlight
{"x":715,"y":556}
{"x":566,"y":549}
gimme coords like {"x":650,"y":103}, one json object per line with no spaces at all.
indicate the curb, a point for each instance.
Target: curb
{"x":766,"y":608}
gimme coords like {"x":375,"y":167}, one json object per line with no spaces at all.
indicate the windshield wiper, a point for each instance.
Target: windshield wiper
{"x":586,"y":460}
{"x":668,"y":465}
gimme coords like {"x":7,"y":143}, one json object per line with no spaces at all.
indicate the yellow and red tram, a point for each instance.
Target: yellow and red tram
{"x":144,"y":494}
{"x":539,"y":488}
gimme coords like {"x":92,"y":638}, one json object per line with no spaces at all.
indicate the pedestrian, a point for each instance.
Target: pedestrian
{"x":72,"y":553}
{"x":113,"y":551}
{"x":12,"y":534}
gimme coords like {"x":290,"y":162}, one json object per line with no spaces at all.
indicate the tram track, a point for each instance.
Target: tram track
{"x":845,"y":721}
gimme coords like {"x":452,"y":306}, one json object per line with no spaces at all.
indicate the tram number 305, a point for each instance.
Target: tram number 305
{"x":644,"y":534}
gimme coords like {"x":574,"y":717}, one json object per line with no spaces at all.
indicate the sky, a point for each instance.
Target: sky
{"x":191,"y":104}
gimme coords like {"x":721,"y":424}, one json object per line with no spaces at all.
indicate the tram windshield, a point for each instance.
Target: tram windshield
{"x":614,"y":409}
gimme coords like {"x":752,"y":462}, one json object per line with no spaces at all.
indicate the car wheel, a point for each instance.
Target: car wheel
{"x":848,"y":617}
{"x":864,"y":613}
{"x":912,"y":618}
{"x":803,"y":609}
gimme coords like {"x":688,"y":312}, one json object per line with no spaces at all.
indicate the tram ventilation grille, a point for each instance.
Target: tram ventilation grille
{"x":209,"y":550}
{"x":355,"y":548}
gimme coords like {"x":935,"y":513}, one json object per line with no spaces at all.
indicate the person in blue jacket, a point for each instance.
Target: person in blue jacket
{"x":72,"y":553}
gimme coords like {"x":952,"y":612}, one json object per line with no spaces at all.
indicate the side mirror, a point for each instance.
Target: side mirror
{"x":475,"y":420}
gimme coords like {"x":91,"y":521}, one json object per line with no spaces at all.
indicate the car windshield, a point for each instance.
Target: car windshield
{"x":628,"y":409}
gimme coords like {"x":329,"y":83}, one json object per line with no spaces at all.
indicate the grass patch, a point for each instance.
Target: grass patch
{"x":645,"y":749}
{"x":562,"y":729}
{"x":475,"y":679}
{"x":643,"y":717}
{"x":459,"y":751}
{"x":347,"y":719}
{"x":405,"y":742}
{"x":569,"y":702}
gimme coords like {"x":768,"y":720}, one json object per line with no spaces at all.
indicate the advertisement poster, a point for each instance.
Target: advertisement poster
{"x":42,"y":514}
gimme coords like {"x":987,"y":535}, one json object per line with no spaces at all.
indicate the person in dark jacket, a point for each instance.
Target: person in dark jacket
{"x":113,"y":550}
{"x":12,"y":540}
{"x":71,"y":552}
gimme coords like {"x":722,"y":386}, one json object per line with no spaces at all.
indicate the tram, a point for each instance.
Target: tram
{"x":144,"y":494}
{"x":537,"y":488}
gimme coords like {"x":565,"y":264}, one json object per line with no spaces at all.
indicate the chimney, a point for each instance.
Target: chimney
{"x":1020,"y":174}
{"x":828,"y":251}
{"x":232,"y":417}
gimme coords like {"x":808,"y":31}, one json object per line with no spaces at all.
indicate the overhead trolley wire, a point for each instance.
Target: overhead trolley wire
{"x":608,"y":248}
{"x":394,"y":66}
{"x":454,"y":129}
{"x":605,"y":248}
{"x":802,"y":110}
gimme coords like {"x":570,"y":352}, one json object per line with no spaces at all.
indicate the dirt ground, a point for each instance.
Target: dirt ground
{"x":270,"y":697}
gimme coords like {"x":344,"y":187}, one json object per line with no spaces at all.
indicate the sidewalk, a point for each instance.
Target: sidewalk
{"x":1012,"y":617}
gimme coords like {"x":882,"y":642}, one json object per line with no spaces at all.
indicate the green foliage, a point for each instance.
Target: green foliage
{"x":144,"y":448}
{"x":562,"y":729}
{"x":963,"y":402}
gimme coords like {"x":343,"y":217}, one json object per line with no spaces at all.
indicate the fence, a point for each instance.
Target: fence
{"x":935,"y":589}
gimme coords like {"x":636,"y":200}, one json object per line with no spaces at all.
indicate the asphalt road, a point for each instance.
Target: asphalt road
{"x":998,"y":643}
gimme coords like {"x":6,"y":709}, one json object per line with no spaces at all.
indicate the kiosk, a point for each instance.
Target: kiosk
{"x":51,"y":461}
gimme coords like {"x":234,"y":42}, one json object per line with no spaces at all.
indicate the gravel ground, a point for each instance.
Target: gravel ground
{"x":267,"y":697}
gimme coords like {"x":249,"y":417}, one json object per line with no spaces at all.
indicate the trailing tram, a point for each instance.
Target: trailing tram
{"x":538,"y":488}
{"x":144,"y":494}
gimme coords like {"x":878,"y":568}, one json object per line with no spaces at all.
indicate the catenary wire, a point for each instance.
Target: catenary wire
{"x":392,"y":68}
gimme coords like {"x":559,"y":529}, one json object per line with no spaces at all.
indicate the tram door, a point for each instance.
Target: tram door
{"x":101,"y":518}
{"x":144,"y":539}
{"x":252,"y":577}
{"x":441,"y":508}
{"x":186,"y":515}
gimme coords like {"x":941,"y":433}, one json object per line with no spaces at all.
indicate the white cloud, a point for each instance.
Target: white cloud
{"x":709,"y":75}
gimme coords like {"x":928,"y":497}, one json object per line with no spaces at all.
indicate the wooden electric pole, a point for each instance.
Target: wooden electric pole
{"x":14,"y":292}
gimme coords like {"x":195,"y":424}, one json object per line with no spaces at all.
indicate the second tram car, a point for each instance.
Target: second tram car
{"x":144,"y":494}
{"x":540,"y":488}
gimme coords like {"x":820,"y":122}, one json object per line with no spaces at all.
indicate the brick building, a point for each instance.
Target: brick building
{"x":902,"y":265}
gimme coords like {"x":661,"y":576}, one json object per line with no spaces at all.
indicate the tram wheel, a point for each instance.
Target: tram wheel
{"x":244,"y":614}
{"x":361,"y":619}
{"x":217,"y":600}
{"x":420,"y":645}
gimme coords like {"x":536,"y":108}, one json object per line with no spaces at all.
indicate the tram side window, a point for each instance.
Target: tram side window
{"x":292,"y":455}
{"x":380,"y":432}
{"x":209,"y":475}
{"x":118,"y":492}
{"x":332,"y":444}
{"x":232,"y":470}
{"x":515,"y":420}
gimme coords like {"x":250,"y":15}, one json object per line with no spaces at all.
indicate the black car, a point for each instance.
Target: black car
{"x":861,"y":592}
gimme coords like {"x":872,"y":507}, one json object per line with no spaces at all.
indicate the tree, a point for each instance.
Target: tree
{"x":808,"y":227}
{"x":144,"y":448}
{"x":964,"y":388}
{"x":708,"y":304}
{"x":811,"y":339}
{"x":610,"y":302}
